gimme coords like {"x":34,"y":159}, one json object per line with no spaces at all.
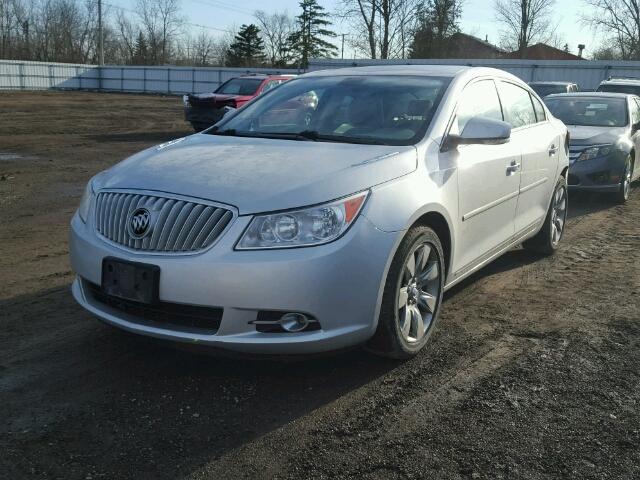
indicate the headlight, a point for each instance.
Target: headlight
{"x":595,"y":151}
{"x":304,"y":227}
{"x":85,"y":201}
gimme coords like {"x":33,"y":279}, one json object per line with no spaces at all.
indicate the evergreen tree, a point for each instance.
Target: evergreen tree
{"x":437,"y":21}
{"x":312,"y":26}
{"x":247,"y":50}
{"x":140,"y":50}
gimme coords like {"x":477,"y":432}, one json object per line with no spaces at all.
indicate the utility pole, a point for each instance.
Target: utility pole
{"x":100,"y":35}
{"x":342,"y":54}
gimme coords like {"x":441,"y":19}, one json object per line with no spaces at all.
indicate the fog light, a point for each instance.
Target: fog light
{"x":294,"y":322}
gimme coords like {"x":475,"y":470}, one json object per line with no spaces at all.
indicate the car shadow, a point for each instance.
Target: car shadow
{"x":580,"y":205}
{"x":585,"y":203}
{"x":95,"y":388}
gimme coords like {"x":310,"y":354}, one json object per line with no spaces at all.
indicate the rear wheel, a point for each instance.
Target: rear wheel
{"x":412,"y":296}
{"x":622,"y":195}
{"x":546,"y":241}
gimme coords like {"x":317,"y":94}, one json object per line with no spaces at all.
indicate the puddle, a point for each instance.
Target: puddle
{"x":9,"y":156}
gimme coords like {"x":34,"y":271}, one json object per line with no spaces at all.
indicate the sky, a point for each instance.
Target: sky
{"x":478,"y":17}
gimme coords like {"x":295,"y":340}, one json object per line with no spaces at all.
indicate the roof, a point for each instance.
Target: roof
{"x":542,"y":51}
{"x":621,"y":81}
{"x":426,"y":70}
{"x":266,"y":75}
{"x":552,"y":83}
{"x":477,"y":40}
{"x":592,"y":94}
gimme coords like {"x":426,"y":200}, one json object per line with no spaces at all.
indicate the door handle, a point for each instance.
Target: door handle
{"x":513,"y":168}
{"x":553,"y":150}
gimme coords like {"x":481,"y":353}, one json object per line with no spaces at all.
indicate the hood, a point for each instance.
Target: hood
{"x":259,"y":174}
{"x":583,"y":135}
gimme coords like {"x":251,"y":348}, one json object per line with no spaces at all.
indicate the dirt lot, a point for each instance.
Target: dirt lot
{"x":532,"y":373}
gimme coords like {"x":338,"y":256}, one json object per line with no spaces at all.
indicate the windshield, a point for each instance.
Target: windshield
{"x":630,"y":89}
{"x":544,"y":90}
{"x":594,"y":112}
{"x":240,"y":86}
{"x":389,"y":110}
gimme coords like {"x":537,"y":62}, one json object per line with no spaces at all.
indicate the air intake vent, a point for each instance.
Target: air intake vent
{"x":172,"y":224}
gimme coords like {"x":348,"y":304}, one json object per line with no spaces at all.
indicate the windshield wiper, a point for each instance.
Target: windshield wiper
{"x":235,"y":133}
{"x":305,"y":135}
{"x":346,"y":139}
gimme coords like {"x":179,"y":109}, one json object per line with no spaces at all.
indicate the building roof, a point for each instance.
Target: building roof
{"x":542,"y":51}
{"x":474,"y":39}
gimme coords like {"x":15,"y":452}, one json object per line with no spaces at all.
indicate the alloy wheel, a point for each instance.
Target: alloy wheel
{"x":626,"y":181}
{"x":419,"y":292}
{"x":558,"y":214}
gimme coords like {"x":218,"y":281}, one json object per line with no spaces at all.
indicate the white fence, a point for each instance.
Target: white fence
{"x":19,"y":75}
{"x":586,"y":73}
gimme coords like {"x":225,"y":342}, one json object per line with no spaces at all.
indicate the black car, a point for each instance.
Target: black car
{"x":604,"y":140}
{"x":620,"y":85}
{"x":549,"y":88}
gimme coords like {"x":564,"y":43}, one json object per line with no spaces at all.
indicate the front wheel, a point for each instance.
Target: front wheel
{"x":622,"y":195}
{"x":412,"y":296}
{"x":546,"y":241}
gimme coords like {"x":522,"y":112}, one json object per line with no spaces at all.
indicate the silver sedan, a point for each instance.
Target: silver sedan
{"x":332,"y":211}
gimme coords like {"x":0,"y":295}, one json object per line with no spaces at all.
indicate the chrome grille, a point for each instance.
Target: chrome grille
{"x":177,"y":225}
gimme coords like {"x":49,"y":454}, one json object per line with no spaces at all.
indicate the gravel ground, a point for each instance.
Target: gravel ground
{"x":533,"y":371}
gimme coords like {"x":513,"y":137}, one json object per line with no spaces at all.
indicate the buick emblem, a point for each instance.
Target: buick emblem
{"x":139,"y":222}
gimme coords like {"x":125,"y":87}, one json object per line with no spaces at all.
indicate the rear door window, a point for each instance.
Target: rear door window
{"x":539,"y":109}
{"x":517,"y":105}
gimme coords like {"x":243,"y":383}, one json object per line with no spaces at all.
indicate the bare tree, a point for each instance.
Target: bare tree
{"x":381,"y":28}
{"x":202,"y":49}
{"x":620,"y":21}
{"x":275,"y":29}
{"x":524,"y":22}
{"x":128,"y":33}
{"x":162,"y":21}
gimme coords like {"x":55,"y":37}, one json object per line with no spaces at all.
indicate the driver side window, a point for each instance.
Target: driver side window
{"x":480,"y":99}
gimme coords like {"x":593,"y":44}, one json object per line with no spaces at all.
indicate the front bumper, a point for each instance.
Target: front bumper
{"x":339,"y":284}
{"x":205,"y":116}
{"x":602,"y":174}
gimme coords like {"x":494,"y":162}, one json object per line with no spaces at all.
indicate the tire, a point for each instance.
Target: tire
{"x":622,"y":195}
{"x":402,"y":332}
{"x":547,"y":240}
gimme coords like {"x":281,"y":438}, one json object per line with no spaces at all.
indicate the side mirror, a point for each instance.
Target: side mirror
{"x":479,"y":131}
{"x":635,"y":127}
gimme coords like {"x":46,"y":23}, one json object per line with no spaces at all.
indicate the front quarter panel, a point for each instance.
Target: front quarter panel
{"x":397,"y":205}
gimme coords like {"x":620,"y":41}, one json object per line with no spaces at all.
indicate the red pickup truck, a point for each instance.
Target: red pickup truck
{"x":204,"y":109}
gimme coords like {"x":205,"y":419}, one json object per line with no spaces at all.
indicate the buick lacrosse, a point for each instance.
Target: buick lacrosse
{"x":332,"y":211}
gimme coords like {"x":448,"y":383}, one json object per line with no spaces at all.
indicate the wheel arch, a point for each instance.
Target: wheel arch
{"x":437,"y":221}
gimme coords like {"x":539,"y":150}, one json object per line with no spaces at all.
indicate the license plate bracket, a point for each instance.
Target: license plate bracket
{"x":135,"y":281}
